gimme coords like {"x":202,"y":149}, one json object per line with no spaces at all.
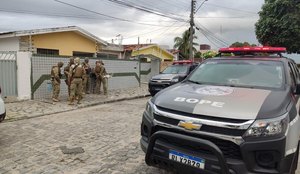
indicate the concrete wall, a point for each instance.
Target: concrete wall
{"x":124,"y":73}
{"x":23,"y":75}
{"x":9,"y":44}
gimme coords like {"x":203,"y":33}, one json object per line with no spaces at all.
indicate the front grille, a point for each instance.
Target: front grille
{"x":229,"y":149}
{"x":204,"y":128}
{"x":158,"y":86}
{"x":161,"y":81}
{"x":205,"y":117}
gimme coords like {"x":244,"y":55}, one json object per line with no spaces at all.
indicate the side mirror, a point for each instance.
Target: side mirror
{"x":297,"y":92}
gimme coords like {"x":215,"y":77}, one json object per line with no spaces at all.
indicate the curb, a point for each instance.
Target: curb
{"x":78,"y":107}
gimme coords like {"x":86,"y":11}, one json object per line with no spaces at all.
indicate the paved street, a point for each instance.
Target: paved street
{"x":99,"y":139}
{"x":109,"y":135}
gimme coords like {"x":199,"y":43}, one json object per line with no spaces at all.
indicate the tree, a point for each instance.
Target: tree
{"x":198,"y":54}
{"x":209,"y":54}
{"x":240,"y":44}
{"x":279,"y":24}
{"x":183,"y":44}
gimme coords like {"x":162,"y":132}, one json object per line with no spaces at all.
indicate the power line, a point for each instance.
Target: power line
{"x":108,"y":16}
{"x":223,"y":17}
{"x":200,"y":6}
{"x":229,"y":8}
{"x":213,"y":34}
{"x":145,"y":9}
{"x":156,"y":8}
{"x":208,"y":33}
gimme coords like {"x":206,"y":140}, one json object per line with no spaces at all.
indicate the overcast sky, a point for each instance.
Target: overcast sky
{"x":226,"y":20}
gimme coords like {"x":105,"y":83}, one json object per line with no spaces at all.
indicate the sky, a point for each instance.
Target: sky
{"x":220,"y":22}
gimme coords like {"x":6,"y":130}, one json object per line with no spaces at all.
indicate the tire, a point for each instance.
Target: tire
{"x":152,"y":93}
{"x":295,"y":162}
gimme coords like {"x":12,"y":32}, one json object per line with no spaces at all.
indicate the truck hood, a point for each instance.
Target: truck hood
{"x":164,"y":76}
{"x":223,"y":101}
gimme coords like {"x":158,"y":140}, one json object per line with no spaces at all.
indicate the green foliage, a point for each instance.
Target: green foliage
{"x":279,"y":24}
{"x":209,"y":54}
{"x":198,"y":55}
{"x":240,"y":44}
{"x":183,"y":44}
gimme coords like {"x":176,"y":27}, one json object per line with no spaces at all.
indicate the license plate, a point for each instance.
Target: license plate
{"x":186,"y":159}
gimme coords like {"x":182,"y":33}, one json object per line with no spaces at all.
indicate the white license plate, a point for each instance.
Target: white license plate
{"x":186,"y":159}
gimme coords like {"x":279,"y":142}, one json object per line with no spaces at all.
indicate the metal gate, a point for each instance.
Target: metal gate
{"x":8,"y":73}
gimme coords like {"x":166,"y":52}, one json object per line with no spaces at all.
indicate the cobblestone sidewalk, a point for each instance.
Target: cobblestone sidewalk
{"x":36,"y":108}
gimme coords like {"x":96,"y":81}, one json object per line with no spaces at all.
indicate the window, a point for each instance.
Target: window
{"x":82,"y":54}
{"x":106,"y":55}
{"x":47,"y":51}
{"x":293,"y":74}
{"x":176,"y":69}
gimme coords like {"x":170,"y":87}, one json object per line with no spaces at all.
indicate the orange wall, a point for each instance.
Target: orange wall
{"x":65,"y":42}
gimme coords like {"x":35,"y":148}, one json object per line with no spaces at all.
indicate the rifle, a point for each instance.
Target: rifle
{"x":71,"y":77}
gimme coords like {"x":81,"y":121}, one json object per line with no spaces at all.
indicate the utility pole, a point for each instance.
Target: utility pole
{"x":193,"y":6}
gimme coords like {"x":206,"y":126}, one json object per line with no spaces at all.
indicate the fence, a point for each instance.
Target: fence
{"x":125,"y":73}
{"x":8,"y":73}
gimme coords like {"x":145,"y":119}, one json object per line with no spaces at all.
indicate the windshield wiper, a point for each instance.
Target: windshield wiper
{"x":199,"y":83}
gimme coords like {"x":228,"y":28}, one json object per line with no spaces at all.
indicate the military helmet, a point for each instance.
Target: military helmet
{"x":60,"y":64}
{"x":77,"y":60}
{"x":86,"y":60}
{"x":71,"y":59}
{"x":101,"y":62}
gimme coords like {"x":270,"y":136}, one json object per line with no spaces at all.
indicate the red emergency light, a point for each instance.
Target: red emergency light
{"x":182,"y":62}
{"x":253,"y":50}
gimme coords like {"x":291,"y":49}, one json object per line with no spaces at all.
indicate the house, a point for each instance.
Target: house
{"x":148,"y":51}
{"x":62,"y":41}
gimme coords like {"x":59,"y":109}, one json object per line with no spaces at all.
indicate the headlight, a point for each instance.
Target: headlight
{"x":175,"y":80}
{"x":268,"y":127}
{"x":149,"y":110}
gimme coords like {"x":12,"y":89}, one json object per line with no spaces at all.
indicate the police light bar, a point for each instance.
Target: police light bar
{"x":253,"y":50}
{"x":182,"y":62}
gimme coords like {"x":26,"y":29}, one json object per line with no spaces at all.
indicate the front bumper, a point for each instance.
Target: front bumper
{"x":2,"y":116}
{"x":2,"y":110}
{"x":155,"y":87}
{"x":157,"y":143}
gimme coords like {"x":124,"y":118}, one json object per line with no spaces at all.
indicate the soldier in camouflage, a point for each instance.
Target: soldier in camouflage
{"x":55,"y":79}
{"x":101,"y":75}
{"x":86,"y":77}
{"x":66,"y":72}
{"x":76,"y":73}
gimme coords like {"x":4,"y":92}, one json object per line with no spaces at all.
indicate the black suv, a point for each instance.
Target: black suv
{"x":174,"y":73}
{"x":232,"y":115}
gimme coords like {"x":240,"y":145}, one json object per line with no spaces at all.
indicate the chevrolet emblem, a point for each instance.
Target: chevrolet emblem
{"x":189,"y":125}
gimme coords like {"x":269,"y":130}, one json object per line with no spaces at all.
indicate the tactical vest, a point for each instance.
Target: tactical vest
{"x":97,"y":69}
{"x":78,"y":72}
{"x":52,"y":71}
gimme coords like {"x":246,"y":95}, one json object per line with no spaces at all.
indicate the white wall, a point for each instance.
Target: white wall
{"x":9,"y":44}
{"x":23,"y":75}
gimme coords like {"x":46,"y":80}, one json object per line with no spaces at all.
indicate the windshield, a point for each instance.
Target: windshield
{"x":240,"y":73}
{"x":176,"y":69}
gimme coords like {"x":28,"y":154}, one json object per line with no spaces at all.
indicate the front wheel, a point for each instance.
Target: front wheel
{"x":295,"y":162}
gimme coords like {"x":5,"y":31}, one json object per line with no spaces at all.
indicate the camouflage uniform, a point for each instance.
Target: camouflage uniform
{"x":86,"y":77}
{"x":66,"y":72}
{"x":100,"y":72}
{"x":55,"y":79}
{"x":76,"y":74}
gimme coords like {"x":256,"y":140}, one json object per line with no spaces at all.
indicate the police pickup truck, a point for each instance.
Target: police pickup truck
{"x":2,"y":108}
{"x":231,"y":115}
{"x":174,"y":73}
